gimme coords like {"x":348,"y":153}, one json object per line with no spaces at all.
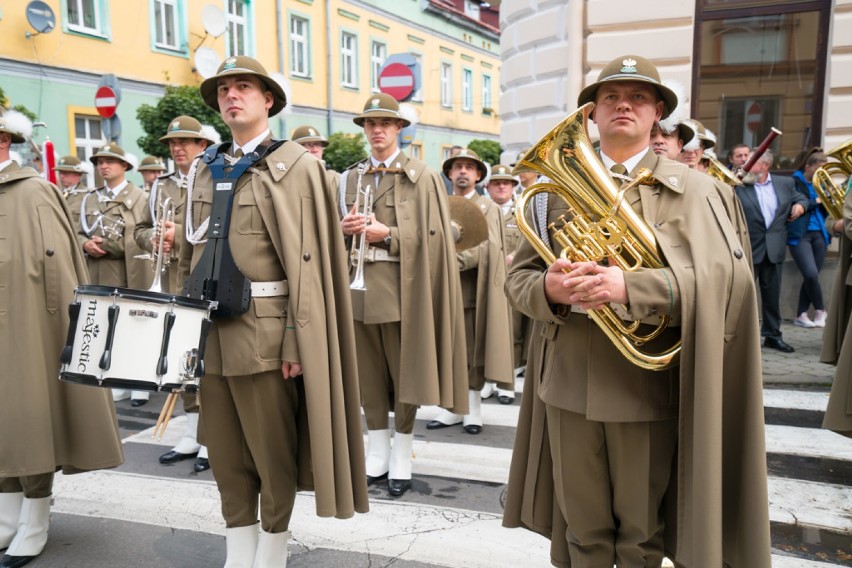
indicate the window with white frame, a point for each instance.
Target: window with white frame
{"x":446,"y":85}
{"x":88,"y":137}
{"x":299,"y":44}
{"x":237,"y":18}
{"x":415,"y":150}
{"x":348,"y":60}
{"x":417,"y":95}
{"x":486,"y":94}
{"x":467,"y":90}
{"x":85,"y":16}
{"x":166,"y":24}
{"x":378,"y":54}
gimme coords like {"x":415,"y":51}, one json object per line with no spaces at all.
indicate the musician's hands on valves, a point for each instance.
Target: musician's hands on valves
{"x":168,"y":237}
{"x":91,"y":247}
{"x":354,"y":224}
{"x":587,"y":284}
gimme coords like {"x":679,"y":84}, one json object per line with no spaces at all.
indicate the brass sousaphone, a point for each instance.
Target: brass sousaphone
{"x":467,"y":222}
{"x":599,"y":225}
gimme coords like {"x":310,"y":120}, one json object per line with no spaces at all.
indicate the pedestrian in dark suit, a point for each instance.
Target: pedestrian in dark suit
{"x":769,"y":204}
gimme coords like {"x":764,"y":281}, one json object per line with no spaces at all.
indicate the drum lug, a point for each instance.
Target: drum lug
{"x":68,"y":350}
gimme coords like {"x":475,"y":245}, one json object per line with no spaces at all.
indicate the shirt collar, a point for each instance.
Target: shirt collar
{"x":470,"y":194}
{"x":252,"y":144}
{"x":4,"y":165}
{"x":768,"y":181}
{"x":114,"y":191}
{"x":388,"y":163}
{"x":629,"y":163}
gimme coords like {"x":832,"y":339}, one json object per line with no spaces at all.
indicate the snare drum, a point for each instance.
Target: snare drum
{"x":124,"y":338}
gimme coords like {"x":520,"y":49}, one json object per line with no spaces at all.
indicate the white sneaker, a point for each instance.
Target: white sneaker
{"x":804,"y":321}
{"x":819,"y":318}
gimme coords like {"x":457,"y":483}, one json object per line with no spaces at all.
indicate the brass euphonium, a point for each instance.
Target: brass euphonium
{"x":717,"y":170}
{"x":830,"y":192}
{"x":601,"y":225}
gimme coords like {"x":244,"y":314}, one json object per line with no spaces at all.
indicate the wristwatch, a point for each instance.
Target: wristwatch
{"x":387,"y":240}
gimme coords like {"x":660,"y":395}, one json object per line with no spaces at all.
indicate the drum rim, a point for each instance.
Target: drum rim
{"x":142,"y":295}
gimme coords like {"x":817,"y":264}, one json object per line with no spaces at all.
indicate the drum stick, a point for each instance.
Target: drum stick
{"x":165,"y":416}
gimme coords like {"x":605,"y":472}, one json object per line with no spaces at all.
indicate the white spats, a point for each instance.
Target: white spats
{"x":32,"y":528}
{"x":474,"y":415}
{"x":10,"y":512}
{"x":378,"y":452}
{"x":272,"y":550}
{"x":400,"y":463}
{"x":188,"y":443}
{"x":241,"y":544}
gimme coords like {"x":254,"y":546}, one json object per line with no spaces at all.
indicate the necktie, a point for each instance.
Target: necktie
{"x":619,"y":169}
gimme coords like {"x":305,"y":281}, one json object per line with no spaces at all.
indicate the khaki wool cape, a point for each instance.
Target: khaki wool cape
{"x":716,"y":505}
{"x":291,"y":192}
{"x":47,"y":425}
{"x":434,"y":358}
{"x":837,"y":338}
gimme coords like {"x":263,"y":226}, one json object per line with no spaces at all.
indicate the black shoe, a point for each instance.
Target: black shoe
{"x":138,"y":402}
{"x":201,"y":464}
{"x":473,"y":429}
{"x":174,"y":457}
{"x":398,"y":487}
{"x":779,"y":344}
{"x":375,"y":479}
{"x":437,"y":425}
{"x":15,"y":561}
{"x":503,"y":399}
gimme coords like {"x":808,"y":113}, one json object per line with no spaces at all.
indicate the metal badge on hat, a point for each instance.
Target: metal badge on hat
{"x":230,"y":63}
{"x":628,"y":66}
{"x":312,"y":132}
{"x":374,"y":103}
{"x":176,"y":125}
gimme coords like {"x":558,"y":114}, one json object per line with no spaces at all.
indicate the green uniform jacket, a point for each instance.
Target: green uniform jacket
{"x":717,"y":499}
{"x":837,"y":339}
{"x":120,"y":266}
{"x":285,"y":197}
{"x":433,"y":359}
{"x":492,"y":341}
{"x":46,"y":424}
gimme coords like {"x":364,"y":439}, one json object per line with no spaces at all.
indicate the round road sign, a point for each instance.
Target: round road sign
{"x":754,"y":116}
{"x":396,"y":80}
{"x":105,"y":101}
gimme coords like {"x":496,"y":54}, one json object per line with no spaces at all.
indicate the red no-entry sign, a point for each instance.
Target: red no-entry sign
{"x":754,"y":116}
{"x":396,"y":80}
{"x":106,"y":102}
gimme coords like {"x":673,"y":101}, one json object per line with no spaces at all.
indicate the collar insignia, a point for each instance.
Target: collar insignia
{"x":673,"y":181}
{"x":628,"y":65}
{"x":280,"y":167}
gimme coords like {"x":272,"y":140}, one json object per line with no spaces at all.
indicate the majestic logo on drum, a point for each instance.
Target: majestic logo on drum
{"x":90,"y":331}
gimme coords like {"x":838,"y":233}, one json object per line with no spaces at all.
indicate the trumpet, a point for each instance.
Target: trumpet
{"x":366,"y":209}
{"x":831,"y":193}
{"x":601,"y":225}
{"x":165,"y":213}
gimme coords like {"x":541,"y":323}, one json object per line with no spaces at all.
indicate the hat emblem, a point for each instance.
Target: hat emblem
{"x":105,"y":148}
{"x":374,"y":103}
{"x":628,"y":65}
{"x":176,"y":125}
{"x":230,"y":63}
{"x":312,"y":132}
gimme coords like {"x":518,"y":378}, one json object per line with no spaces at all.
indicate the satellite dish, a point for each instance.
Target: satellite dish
{"x":213,"y":20}
{"x":41,"y":17}
{"x":207,"y":61}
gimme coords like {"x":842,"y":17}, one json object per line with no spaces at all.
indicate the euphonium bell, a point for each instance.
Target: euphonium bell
{"x":600,"y":225}
{"x":717,"y":170}
{"x":832,"y":193}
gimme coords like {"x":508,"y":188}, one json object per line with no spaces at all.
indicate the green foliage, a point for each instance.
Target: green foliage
{"x":343,"y":150}
{"x":4,"y":102}
{"x":177,"y":101}
{"x":487,"y":150}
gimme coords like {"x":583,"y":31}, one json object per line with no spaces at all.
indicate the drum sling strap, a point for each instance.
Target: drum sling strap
{"x":217,"y":277}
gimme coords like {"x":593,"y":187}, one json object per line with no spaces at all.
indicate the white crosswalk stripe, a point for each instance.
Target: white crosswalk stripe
{"x":442,"y":535}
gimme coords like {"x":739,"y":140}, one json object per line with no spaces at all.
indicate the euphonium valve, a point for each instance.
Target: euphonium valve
{"x":598,"y":225}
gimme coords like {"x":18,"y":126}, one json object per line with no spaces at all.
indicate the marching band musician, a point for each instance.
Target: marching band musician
{"x":151,"y":167}
{"x":186,"y":138}
{"x":70,"y":172}
{"x":639,"y":463}
{"x":280,"y":392}
{"x":482,"y":273}
{"x":315,"y":143}
{"x":670,"y":134}
{"x":108,"y":217}
{"x":47,"y":425}
{"x":501,"y":186}
{"x":409,"y":324}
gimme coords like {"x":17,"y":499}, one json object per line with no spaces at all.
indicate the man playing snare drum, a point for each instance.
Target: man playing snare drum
{"x":280,"y":393}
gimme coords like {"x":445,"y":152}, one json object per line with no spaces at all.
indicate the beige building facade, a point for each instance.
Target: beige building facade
{"x":746,"y":65}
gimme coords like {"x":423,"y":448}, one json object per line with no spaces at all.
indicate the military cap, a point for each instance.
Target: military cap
{"x":308,"y":134}
{"x":152,"y":164}
{"x":112,"y":150}
{"x":467,"y":154}
{"x":186,"y":127}
{"x":380,"y":105}
{"x":16,"y":124}
{"x":69,"y":164}
{"x":630,"y":68}
{"x":502,"y":172}
{"x":243,"y":65}
{"x":702,"y":134}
